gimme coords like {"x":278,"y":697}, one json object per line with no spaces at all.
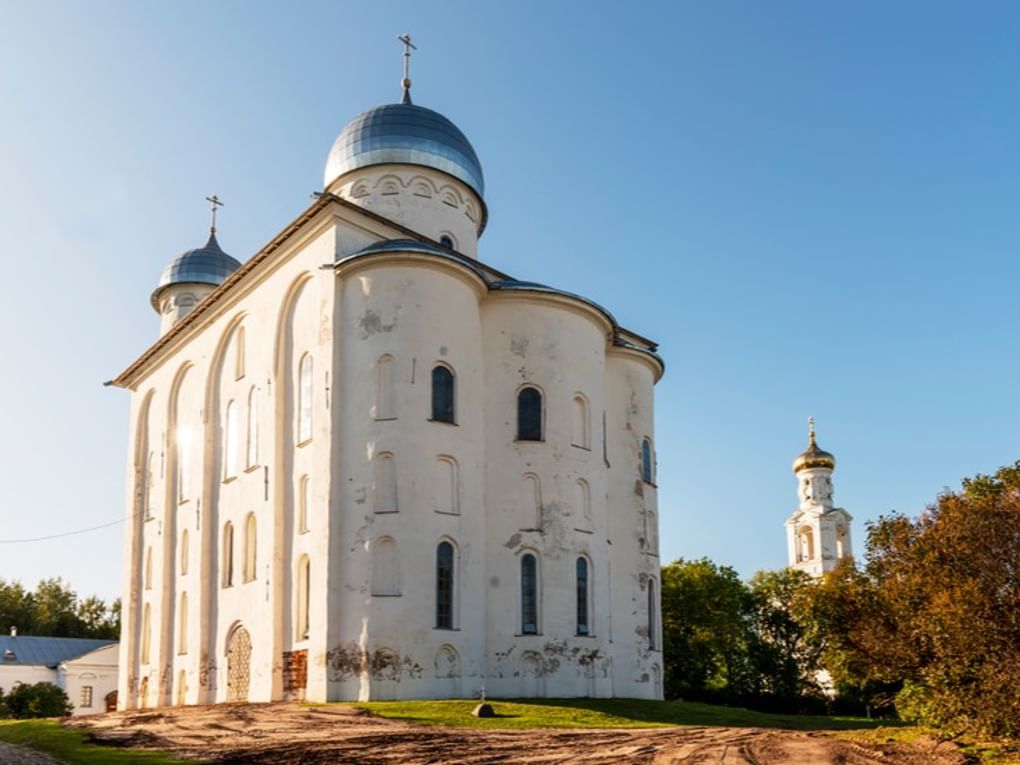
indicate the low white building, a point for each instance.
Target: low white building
{"x":366,"y":465}
{"x":85,"y":669}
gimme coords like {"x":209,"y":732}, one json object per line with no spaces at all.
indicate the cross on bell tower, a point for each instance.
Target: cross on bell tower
{"x":406,"y":82}
{"x":215,"y":202}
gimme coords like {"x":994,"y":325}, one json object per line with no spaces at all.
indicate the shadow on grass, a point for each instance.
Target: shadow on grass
{"x":694,"y":713}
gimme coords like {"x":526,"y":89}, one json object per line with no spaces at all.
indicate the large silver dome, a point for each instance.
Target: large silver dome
{"x":205,"y":265}
{"x":409,"y":135}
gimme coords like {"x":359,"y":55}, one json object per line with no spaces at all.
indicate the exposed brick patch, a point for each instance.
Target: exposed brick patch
{"x":295,"y":674}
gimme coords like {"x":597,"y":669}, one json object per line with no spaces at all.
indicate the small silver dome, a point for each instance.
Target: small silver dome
{"x":405,"y":134}
{"x":205,"y":265}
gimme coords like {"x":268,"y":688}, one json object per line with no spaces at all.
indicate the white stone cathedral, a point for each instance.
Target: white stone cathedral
{"x":817,"y":534}
{"x":366,"y":465}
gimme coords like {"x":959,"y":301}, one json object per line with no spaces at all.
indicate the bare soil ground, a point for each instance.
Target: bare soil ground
{"x":292,"y":734}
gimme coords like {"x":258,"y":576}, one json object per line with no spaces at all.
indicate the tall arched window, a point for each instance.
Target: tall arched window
{"x":252,"y":444}
{"x":230,"y":441}
{"x":529,"y":594}
{"x":582,"y":596}
{"x":239,"y":354}
{"x":183,"y":464}
{"x":184,"y":552}
{"x":302,"y":523}
{"x":444,"y":586}
{"x":385,"y":483}
{"x":228,"y":554}
{"x":583,"y":502}
{"x":447,"y":489}
{"x":531,"y":500}
{"x":385,"y":567}
{"x":304,"y":407}
{"x":582,"y":426}
{"x":442,"y":394}
{"x":250,"y":548}
{"x":182,"y":636}
{"x":646,"y":460}
{"x":303,"y":597}
{"x":653,"y":624}
{"x":146,"y":632}
{"x":148,"y":568}
{"x":529,"y":414}
{"x":384,"y":403}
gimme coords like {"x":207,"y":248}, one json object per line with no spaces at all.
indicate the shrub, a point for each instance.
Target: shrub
{"x":37,"y":700}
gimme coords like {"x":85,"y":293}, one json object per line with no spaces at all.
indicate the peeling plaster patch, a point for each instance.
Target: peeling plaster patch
{"x":519,"y":347}
{"x":371,"y":324}
{"x":639,"y":488}
{"x":442,"y":350}
{"x":512,"y":542}
{"x":644,"y":678}
{"x":344,"y":662}
{"x":360,"y":495}
{"x":494,"y":581}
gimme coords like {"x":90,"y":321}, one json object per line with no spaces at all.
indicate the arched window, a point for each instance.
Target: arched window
{"x":385,"y":483}
{"x":184,"y":552}
{"x":805,"y":544}
{"x":444,"y":586}
{"x":531,"y":500}
{"x":302,"y":523}
{"x":183,"y":464}
{"x":529,"y":414}
{"x":230,"y":441}
{"x":239,"y":354}
{"x":442,"y":394}
{"x":583,"y":502}
{"x":228,"y":554}
{"x":446,"y":486}
{"x":582,"y":425}
{"x":646,"y":460}
{"x":304,"y":407}
{"x":148,"y":568}
{"x":582,"y":596}
{"x":841,"y":545}
{"x":447,"y":241}
{"x":182,"y":636}
{"x":303,"y":597}
{"x":252,"y":445}
{"x":146,"y":632}
{"x":384,"y":403}
{"x":250,"y":548}
{"x":529,"y":594}
{"x":653,"y":625}
{"x":385,"y":567}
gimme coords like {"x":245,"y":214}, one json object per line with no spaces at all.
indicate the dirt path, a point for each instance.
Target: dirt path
{"x":289,"y":734}
{"x":19,"y":755}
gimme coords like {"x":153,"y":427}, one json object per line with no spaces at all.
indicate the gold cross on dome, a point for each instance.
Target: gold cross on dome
{"x":406,"y":82}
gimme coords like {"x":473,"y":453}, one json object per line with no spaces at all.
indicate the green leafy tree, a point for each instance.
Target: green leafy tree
{"x":17,"y":606}
{"x":24,"y":701}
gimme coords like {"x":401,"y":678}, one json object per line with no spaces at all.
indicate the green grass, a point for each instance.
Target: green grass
{"x":67,"y":745}
{"x":602,"y":713}
{"x":985,"y":752}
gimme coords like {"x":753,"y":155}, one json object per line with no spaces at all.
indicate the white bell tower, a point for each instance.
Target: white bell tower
{"x":817,"y":534}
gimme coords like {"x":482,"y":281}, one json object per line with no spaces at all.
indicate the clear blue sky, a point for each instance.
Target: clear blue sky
{"x":811,"y":206}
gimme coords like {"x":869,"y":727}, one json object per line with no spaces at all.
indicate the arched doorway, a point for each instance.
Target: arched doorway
{"x":238,"y":664}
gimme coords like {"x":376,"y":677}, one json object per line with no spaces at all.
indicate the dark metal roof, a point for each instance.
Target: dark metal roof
{"x":405,"y":134}
{"x":400,"y":245}
{"x":45,"y":651}
{"x":205,"y":265}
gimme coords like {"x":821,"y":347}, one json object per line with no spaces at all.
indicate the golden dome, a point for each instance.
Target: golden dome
{"x":813,"y":457}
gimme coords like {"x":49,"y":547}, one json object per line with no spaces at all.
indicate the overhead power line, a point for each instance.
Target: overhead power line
{"x":68,"y":533}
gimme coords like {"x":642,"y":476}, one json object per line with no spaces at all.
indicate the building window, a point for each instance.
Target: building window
{"x":183,"y":464}
{"x":442,"y":394}
{"x":529,"y":415}
{"x":447,"y":489}
{"x":252,"y":444}
{"x":182,"y":638}
{"x":531,"y":500}
{"x":529,"y":594}
{"x":86,"y":696}
{"x":230,"y":441}
{"x":582,"y":596}
{"x":303,"y":504}
{"x":583,"y":502}
{"x":444,"y":586}
{"x":148,"y":568}
{"x":239,"y":354}
{"x":228,"y":554}
{"x":646,"y":460}
{"x":653,"y":626}
{"x":304,"y":407}
{"x":146,"y":632}
{"x":303,"y":597}
{"x":184,"y":552}
{"x":582,"y":426}
{"x":249,"y":548}
{"x":447,"y":241}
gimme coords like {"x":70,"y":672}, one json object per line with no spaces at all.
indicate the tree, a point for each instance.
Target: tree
{"x":17,"y":607}
{"x":936,"y":611}
{"x":54,"y":610}
{"x":37,"y":700}
{"x":705,"y":629}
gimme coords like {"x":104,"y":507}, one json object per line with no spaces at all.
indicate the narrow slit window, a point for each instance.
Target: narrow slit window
{"x":252,"y":446}
{"x":582,"y":596}
{"x":230,"y":441}
{"x":646,"y":460}
{"x":529,"y":415}
{"x":250,"y":540}
{"x":303,"y":598}
{"x":444,"y":586}
{"x":228,"y":554}
{"x":442,"y":394}
{"x":304,"y":429}
{"x":652,"y":622}
{"x":529,"y":595}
